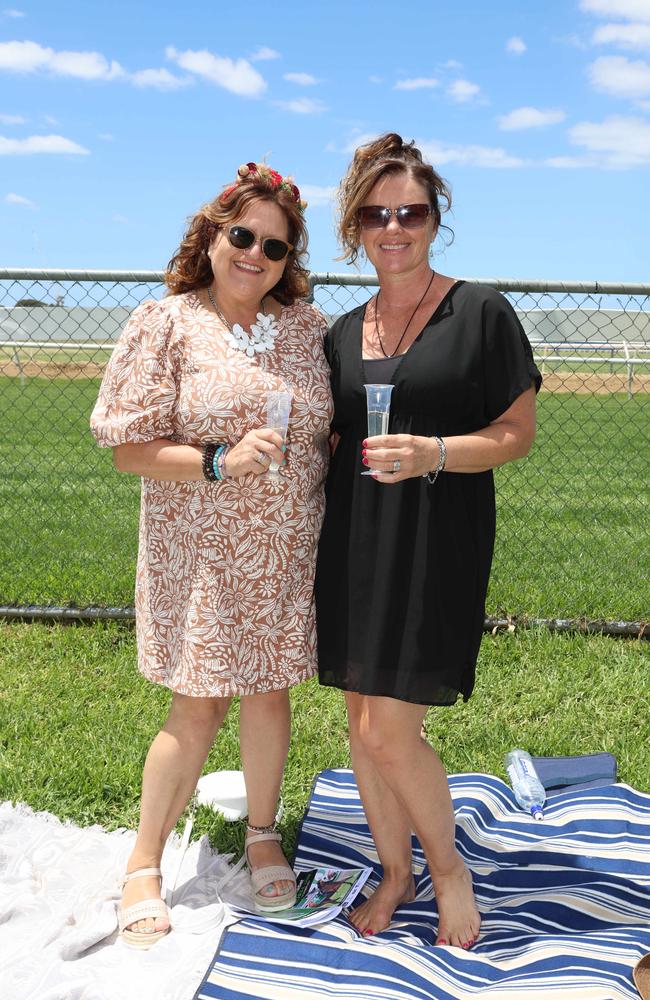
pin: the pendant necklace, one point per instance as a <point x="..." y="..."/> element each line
<point x="261" y="337"/>
<point x="433" y="274"/>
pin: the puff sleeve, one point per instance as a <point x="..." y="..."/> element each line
<point x="137" y="397"/>
<point x="508" y="363"/>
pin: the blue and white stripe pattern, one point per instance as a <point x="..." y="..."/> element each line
<point x="565" y="906"/>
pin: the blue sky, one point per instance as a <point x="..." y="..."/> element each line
<point x="119" y="120"/>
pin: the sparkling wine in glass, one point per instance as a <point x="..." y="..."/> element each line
<point x="278" y="408"/>
<point x="378" y="402"/>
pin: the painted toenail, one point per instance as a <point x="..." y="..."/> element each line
<point x="442" y="941"/>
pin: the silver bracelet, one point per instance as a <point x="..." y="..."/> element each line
<point x="442" y="461"/>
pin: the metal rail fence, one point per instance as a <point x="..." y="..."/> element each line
<point x="574" y="532"/>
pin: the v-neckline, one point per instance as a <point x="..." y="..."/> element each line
<point x="401" y="357"/>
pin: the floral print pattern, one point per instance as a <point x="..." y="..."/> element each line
<point x="224" y="585"/>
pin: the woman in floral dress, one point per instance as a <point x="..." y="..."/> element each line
<point x="227" y="553"/>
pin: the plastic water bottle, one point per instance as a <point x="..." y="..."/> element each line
<point x="528" y="789"/>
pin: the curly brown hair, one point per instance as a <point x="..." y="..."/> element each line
<point x="388" y="154"/>
<point x="190" y="267"/>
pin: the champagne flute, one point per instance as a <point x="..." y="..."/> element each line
<point x="278" y="408"/>
<point x="378" y="403"/>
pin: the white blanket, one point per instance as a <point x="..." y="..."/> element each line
<point x="59" y="886"/>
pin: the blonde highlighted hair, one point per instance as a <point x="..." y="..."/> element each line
<point x="388" y="154"/>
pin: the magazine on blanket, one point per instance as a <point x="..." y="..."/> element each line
<point x="321" y="894"/>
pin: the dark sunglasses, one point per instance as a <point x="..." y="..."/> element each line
<point x="242" y="238"/>
<point x="408" y="216"/>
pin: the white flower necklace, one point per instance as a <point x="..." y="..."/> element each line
<point x="260" y="339"/>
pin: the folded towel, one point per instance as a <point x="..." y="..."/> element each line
<point x="589" y="770"/>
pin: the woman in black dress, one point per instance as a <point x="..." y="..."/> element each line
<point x="405" y="554"/>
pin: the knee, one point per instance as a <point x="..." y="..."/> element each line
<point x="379" y="743"/>
<point x="199" y="718"/>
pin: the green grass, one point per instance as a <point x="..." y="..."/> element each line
<point x="573" y="525"/>
<point x="76" y="719"/>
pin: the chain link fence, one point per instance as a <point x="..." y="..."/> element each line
<point x="573" y="529"/>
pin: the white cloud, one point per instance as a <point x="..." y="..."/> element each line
<point x="12" y="12"/>
<point x="85" y="66"/>
<point x="12" y="120"/>
<point x="452" y="64"/>
<point x="643" y="105"/>
<point x="40" y="144"/>
<point x="28" y="57"/>
<point x="462" y="90"/>
<point x="106" y="136"/>
<point x="121" y="219"/>
<point x="620" y="76"/>
<point x="50" y="120"/>
<point x="474" y="156"/>
<point x="636" y="10"/>
<point x="376" y="79"/>
<point x="521" y="118"/>
<point x="302" y="106"/>
<point x="264" y="53"/>
<point x="516" y="45"/>
<point x="235" y="75"/>
<point x="618" y="142"/>
<point x="161" y="79"/>
<point x="302" y="79"/>
<point x="627" y="36"/>
<point x="316" y="195"/>
<point x="17" y="199"/>
<point x="417" y="83"/>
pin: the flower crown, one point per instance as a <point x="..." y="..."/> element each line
<point x="274" y="180"/>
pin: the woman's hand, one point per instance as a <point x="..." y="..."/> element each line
<point x="254" y="453"/>
<point x="416" y="456"/>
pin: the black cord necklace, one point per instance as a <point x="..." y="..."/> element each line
<point x="424" y="294"/>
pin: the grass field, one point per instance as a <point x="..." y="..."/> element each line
<point x="76" y="719"/>
<point x="573" y="532"/>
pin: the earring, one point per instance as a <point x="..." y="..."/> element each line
<point x="431" y="253"/>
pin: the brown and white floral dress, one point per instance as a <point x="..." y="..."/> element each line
<point x="224" y="586"/>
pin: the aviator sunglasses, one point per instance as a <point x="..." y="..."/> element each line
<point x="242" y="238"/>
<point x="408" y="216"/>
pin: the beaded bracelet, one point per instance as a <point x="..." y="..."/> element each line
<point x="221" y="462"/>
<point x="215" y="462"/>
<point x="208" y="459"/>
<point x="442" y="461"/>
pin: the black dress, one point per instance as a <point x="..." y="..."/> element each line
<point x="403" y="570"/>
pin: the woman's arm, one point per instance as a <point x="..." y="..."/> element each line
<point x="507" y="438"/>
<point x="171" y="462"/>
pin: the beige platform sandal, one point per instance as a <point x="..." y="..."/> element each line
<point x="128" y="915"/>
<point x="262" y="877"/>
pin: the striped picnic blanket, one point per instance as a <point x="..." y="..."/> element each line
<point x="565" y="906"/>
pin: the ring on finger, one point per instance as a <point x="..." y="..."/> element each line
<point x="397" y="465"/>
<point x="260" y="457"/>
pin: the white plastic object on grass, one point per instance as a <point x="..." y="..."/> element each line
<point x="225" y="792"/>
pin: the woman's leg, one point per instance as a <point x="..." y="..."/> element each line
<point x="390" y="733"/>
<point x="171" y="771"/>
<point x="264" y="732"/>
<point x="389" y="825"/>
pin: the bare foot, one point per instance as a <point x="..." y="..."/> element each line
<point x="376" y="913"/>
<point x="459" y="921"/>
<point x="137" y="890"/>
<point x="269" y="852"/>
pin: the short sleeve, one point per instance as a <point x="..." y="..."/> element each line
<point x="137" y="397"/>
<point x="508" y="362"/>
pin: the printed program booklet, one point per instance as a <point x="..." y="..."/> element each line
<point x="321" y="894"/>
